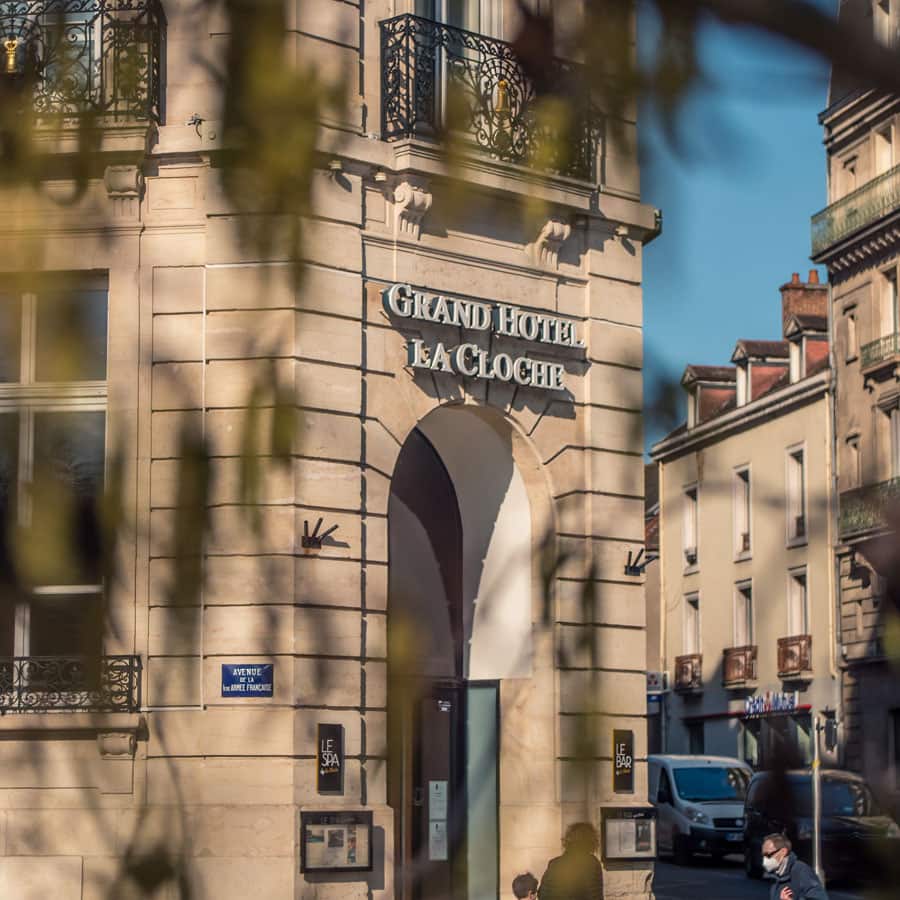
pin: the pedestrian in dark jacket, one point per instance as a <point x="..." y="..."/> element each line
<point x="794" y="879"/>
<point x="577" y="874"/>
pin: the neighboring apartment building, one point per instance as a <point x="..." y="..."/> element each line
<point x="468" y="390"/>
<point x="656" y="682"/>
<point x="747" y="621"/>
<point x="855" y="237"/>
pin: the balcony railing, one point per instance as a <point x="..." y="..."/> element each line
<point x="863" y="508"/>
<point x="795" y="656"/>
<point x="82" y="684"/>
<point x="860" y="208"/>
<point x="77" y="57"/>
<point x="879" y="351"/>
<point x="435" y="76"/>
<point x="689" y="672"/>
<point x="739" y="666"/>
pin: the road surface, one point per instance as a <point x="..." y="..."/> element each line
<point x="706" y="880"/>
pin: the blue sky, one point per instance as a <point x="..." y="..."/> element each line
<point x="736" y="202"/>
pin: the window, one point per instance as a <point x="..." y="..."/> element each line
<point x="884" y="150"/>
<point x="664" y="791"/>
<point x="743" y="615"/>
<point x="851" y="350"/>
<point x="854" y="462"/>
<point x="696" y="742"/>
<point x="741" y="373"/>
<point x="848" y="175"/>
<point x="889" y="323"/>
<point x="691" y="624"/>
<point x="797" y="365"/>
<point x="894" y="744"/>
<point x="742" y="512"/>
<point x="480" y="16"/>
<point x="52" y="437"/>
<point x="894" y="416"/>
<point x="691" y="555"/>
<point x="881" y="21"/>
<point x="798" y="606"/>
<point x="796" y="495"/>
<point x="693" y="404"/>
<point x="749" y="743"/>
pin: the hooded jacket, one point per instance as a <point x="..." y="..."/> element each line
<point x="800" y="878"/>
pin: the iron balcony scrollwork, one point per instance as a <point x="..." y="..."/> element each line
<point x="864" y="509"/>
<point x="78" y="684"/>
<point x="429" y="68"/>
<point x="85" y="57"/>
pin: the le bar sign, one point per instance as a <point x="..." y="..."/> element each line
<point x="623" y="762"/>
<point x="468" y="359"/>
<point x="247" y="681"/>
<point x="330" y="759"/>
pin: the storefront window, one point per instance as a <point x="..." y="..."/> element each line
<point x="749" y="743"/>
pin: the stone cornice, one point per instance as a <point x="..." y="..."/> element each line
<point x="864" y="249"/>
<point x="754" y="413"/>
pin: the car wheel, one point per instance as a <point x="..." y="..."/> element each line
<point x="751" y="864"/>
<point x="681" y="852"/>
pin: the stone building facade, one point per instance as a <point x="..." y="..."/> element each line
<point x="855" y="238"/>
<point x="466" y="387"/>
<point x="747" y="621"/>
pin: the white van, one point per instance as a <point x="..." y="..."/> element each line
<point x="700" y="804"/>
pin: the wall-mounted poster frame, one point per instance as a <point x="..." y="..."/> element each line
<point x="627" y="833"/>
<point x="336" y="841"/>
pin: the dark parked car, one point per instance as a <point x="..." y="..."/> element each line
<point x="854" y="831"/>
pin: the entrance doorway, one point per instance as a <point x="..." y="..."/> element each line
<point x="459" y="622"/>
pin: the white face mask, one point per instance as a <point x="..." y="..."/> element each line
<point x="770" y="864"/>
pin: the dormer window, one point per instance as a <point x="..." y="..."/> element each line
<point x="693" y="400"/>
<point x="797" y="360"/>
<point x="743" y="381"/>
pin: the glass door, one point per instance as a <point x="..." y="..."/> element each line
<point x="479" y="16"/>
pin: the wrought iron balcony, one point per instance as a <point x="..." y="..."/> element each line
<point x="739" y="666"/>
<point x="859" y="209"/>
<point x="689" y="673"/>
<point x="82" y="684"/>
<point x="428" y="68"/>
<point x="795" y="656"/>
<point x="863" y="508"/>
<point x="879" y="352"/>
<point x="75" y="57"/>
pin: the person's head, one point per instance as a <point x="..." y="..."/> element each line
<point x="525" y="886"/>
<point x="581" y="837"/>
<point x="775" y="847"/>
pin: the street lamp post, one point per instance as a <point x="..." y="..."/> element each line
<point x="817" y="800"/>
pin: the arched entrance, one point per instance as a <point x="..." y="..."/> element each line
<point x="460" y="619"/>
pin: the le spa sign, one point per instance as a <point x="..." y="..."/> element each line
<point x="468" y="359"/>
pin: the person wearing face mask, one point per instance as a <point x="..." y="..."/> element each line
<point x="794" y="879"/>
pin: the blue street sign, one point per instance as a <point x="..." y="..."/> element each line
<point x="242" y="680"/>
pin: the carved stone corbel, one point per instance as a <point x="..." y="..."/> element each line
<point x="116" y="744"/>
<point x="545" y="250"/>
<point x="412" y="200"/>
<point x="124" y="185"/>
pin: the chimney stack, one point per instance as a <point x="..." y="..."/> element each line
<point x="799" y="298"/>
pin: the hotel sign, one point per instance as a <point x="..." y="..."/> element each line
<point x="500" y="319"/>
<point x="769" y="703"/>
